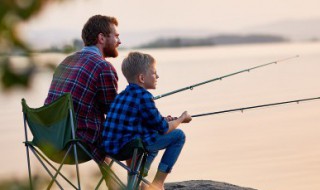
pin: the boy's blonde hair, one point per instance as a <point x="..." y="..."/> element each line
<point x="136" y="63"/>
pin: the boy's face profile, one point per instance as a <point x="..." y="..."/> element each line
<point x="150" y="77"/>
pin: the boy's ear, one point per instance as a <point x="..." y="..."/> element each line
<point x="141" y="78"/>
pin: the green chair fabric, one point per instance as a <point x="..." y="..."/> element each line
<point x="51" y="129"/>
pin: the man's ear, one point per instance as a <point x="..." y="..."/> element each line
<point x="101" y="38"/>
<point x="141" y="78"/>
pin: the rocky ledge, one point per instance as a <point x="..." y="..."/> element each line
<point x="203" y="185"/>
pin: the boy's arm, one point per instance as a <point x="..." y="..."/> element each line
<point x="170" y="118"/>
<point x="151" y="116"/>
<point x="184" y="118"/>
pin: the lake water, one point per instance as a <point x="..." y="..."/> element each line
<point x="272" y="148"/>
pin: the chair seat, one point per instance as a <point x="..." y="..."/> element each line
<point x="57" y="156"/>
<point x="126" y="151"/>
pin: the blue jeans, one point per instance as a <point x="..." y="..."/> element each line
<point x="172" y="143"/>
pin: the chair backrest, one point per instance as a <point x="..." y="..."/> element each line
<point x="51" y="126"/>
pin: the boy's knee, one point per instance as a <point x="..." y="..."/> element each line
<point x="180" y="135"/>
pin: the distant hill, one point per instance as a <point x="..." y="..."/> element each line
<point x="212" y="40"/>
<point x="293" y="30"/>
<point x="138" y="38"/>
<point x="296" y="30"/>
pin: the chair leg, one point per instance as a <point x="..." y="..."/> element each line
<point x="45" y="167"/>
<point x="55" y="169"/>
<point x="133" y="182"/>
<point x="102" y="178"/>
<point x="74" y="145"/>
<point x="58" y="171"/>
<point x="99" y="183"/>
<point x="132" y="170"/>
<point x="29" y="167"/>
<point x="77" y="165"/>
<point x="108" y="172"/>
<point x="27" y="150"/>
<point x="140" y="168"/>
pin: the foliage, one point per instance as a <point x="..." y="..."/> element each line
<point x="23" y="184"/>
<point x="12" y="13"/>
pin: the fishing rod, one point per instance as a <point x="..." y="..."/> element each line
<point x="255" y="107"/>
<point x="222" y="77"/>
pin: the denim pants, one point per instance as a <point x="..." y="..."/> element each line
<point x="172" y="143"/>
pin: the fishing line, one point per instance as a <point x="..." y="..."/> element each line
<point x="222" y="77"/>
<point x="257" y="106"/>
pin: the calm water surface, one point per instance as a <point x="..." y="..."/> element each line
<point x="269" y="149"/>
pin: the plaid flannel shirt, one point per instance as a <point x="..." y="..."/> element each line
<point x="93" y="84"/>
<point x="132" y="115"/>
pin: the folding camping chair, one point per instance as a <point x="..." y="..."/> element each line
<point x="53" y="129"/>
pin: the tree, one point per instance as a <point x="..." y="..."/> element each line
<point x="13" y="12"/>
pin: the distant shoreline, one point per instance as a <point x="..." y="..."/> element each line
<point x="168" y="43"/>
<point x="213" y="41"/>
<point x="183" y="41"/>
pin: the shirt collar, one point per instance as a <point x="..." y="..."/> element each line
<point x="136" y="87"/>
<point x="133" y="85"/>
<point x="93" y="49"/>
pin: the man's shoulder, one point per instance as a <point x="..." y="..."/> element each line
<point x="93" y="60"/>
<point x="86" y="63"/>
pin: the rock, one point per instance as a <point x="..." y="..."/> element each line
<point x="203" y="185"/>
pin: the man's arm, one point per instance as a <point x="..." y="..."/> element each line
<point x="107" y="88"/>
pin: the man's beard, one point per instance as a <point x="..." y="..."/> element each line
<point x="109" y="51"/>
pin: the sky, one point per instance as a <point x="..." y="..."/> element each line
<point x="61" y="21"/>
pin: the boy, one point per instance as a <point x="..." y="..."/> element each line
<point x="133" y="114"/>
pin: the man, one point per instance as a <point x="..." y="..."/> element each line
<point x="91" y="80"/>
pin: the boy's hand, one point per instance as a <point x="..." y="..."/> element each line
<point x="170" y="118"/>
<point x="186" y="117"/>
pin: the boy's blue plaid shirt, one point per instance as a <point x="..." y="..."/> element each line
<point x="132" y="114"/>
